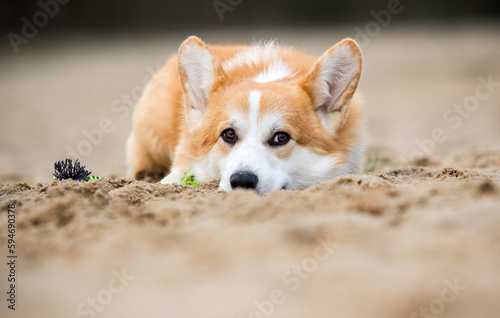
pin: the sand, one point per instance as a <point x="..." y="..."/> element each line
<point x="416" y="235"/>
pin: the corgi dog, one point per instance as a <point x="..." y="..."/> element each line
<point x="261" y="117"/>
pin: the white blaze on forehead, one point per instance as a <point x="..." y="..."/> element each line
<point x="274" y="72"/>
<point x="253" y="111"/>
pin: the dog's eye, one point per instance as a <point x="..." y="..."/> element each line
<point x="279" y="139"/>
<point x="229" y="136"/>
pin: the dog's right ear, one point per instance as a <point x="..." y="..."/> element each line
<point x="200" y="70"/>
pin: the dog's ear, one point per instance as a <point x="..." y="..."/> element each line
<point x="199" y="70"/>
<point x="332" y="81"/>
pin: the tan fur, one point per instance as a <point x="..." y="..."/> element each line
<point x="158" y="120"/>
<point x="161" y="136"/>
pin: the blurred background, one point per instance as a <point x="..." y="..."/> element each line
<point x="72" y="70"/>
<point x="127" y="15"/>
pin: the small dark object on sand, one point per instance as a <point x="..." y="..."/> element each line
<point x="66" y="170"/>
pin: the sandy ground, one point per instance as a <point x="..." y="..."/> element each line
<point x="416" y="236"/>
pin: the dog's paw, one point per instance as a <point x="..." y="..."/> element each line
<point x="174" y="177"/>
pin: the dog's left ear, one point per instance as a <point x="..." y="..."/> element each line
<point x="200" y="70"/>
<point x="332" y="81"/>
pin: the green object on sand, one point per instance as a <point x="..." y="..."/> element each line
<point x="189" y="179"/>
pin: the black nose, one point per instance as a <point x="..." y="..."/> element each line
<point x="244" y="179"/>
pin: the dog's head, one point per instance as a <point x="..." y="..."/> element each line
<point x="269" y="120"/>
